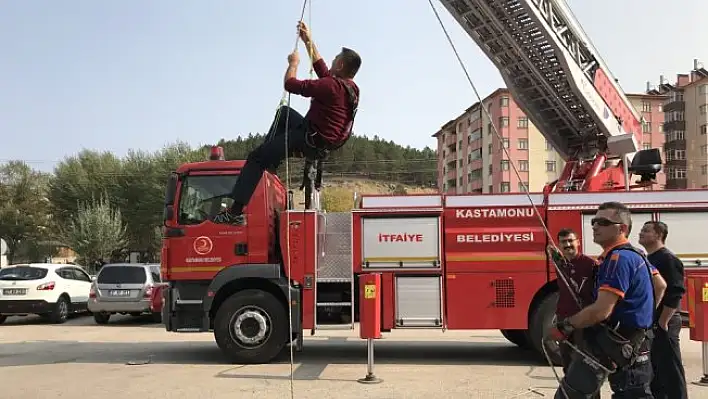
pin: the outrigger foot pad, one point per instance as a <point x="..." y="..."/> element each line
<point x="370" y="379"/>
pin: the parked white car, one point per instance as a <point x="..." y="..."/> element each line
<point x="53" y="291"/>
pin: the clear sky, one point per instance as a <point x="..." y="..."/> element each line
<point x="115" y="75"/>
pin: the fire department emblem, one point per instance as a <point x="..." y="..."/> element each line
<point x="203" y="245"/>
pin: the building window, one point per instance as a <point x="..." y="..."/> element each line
<point x="523" y="144"/>
<point x="506" y="142"/>
<point x="505" y="187"/>
<point x="661" y="107"/>
<point x="704" y="169"/>
<point x="522" y="122"/>
<point x="550" y="166"/>
<point x="704" y="128"/>
<point x="490" y="169"/>
<point x="504" y="164"/>
<point x="703" y="89"/>
<point x="489" y="149"/>
<point x="474" y="154"/>
<point x="703" y="109"/>
<point x="504" y="101"/>
<point x="646" y="146"/>
<point x="491" y="189"/>
<point x="549" y="146"/>
<point x="646" y="127"/>
<point x="661" y="128"/>
<point x="504" y="121"/>
<point x="523" y="186"/>
<point x="704" y="149"/>
<point x="646" y="106"/>
<point x="676" y="173"/>
<point x="523" y="165"/>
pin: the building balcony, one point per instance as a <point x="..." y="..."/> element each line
<point x="674" y="125"/>
<point x="675" y="145"/>
<point x="674" y="106"/>
<point x="676" y="184"/>
<point x="678" y="163"/>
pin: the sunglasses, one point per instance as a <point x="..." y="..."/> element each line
<point x="603" y="222"/>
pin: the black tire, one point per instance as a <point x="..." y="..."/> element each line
<point x="259" y="306"/>
<point x="60" y="313"/>
<point x="542" y="318"/>
<point x="2" y="318"/>
<point x="101" y="318"/>
<point x="519" y="338"/>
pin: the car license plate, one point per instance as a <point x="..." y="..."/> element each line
<point x="14" y="291"/>
<point x="119" y="292"/>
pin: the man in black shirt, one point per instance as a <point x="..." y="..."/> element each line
<point x="669" y="380"/>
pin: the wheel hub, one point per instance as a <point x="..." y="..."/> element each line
<point x="251" y="327"/>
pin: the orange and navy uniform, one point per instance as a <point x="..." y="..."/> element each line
<point x="624" y="273"/>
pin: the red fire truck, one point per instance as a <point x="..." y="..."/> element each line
<point x="446" y="261"/>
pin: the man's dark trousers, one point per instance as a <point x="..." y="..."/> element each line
<point x="568" y="353"/>
<point x="584" y="379"/>
<point x="669" y="376"/>
<point x="271" y="153"/>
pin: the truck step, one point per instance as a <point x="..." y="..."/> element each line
<point x="189" y="302"/>
<point x="335" y="327"/>
<point x="344" y="304"/>
<point x="188" y="330"/>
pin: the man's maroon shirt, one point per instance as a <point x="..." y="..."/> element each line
<point x="582" y="270"/>
<point x="329" y="108"/>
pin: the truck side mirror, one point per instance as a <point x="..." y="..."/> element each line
<point x="169" y="212"/>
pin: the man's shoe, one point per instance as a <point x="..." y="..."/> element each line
<point x="228" y="217"/>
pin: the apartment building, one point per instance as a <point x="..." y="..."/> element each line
<point x="473" y="159"/>
<point x="686" y="122"/>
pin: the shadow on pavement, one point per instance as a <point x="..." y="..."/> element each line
<point x="316" y="356"/>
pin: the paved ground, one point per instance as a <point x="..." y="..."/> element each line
<point x="80" y="359"/>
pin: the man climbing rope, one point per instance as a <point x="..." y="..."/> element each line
<point x="326" y="126"/>
<point x="618" y="324"/>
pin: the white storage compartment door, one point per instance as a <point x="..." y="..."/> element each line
<point x="687" y="236"/>
<point x="592" y="249"/>
<point x="418" y="301"/>
<point x="409" y="242"/>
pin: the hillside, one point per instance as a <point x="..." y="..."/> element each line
<point x="338" y="193"/>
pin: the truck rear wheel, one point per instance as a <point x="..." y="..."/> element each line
<point x="517" y="337"/>
<point x="251" y="327"/>
<point x="542" y="318"/>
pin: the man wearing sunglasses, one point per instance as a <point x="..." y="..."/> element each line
<point x="627" y="290"/>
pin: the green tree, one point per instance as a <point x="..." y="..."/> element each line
<point x="96" y="233"/>
<point x="24" y="216"/>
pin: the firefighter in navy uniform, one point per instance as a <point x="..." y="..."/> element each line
<point x="618" y="324"/>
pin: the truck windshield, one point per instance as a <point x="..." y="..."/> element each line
<point x="202" y="197"/>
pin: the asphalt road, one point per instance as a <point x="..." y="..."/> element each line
<point x="131" y="357"/>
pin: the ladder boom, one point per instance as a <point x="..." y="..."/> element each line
<point x="554" y="73"/>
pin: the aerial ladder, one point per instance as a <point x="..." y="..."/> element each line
<point x="558" y="79"/>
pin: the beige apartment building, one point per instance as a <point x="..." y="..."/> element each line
<point x="472" y="158"/>
<point x="686" y="122"/>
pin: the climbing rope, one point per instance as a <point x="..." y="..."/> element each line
<point x="559" y="272"/>
<point x="286" y="101"/>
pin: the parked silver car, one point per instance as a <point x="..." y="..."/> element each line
<point x="126" y="288"/>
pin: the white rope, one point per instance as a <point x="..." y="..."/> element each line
<point x="287" y="228"/>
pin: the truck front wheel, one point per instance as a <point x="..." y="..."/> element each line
<point x="251" y="327"/>
<point x="541" y="320"/>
